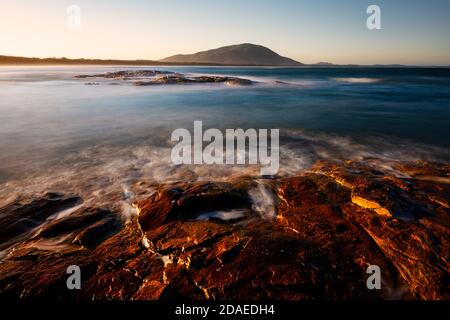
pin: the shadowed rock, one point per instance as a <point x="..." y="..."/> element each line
<point x="189" y="202"/>
<point x="20" y="217"/>
<point x="75" y="221"/>
<point x="94" y="234"/>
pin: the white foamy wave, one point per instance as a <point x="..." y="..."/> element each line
<point x="263" y="201"/>
<point x="222" y="215"/>
<point x="127" y="193"/>
<point x="112" y="177"/>
<point x="128" y="212"/>
<point x="65" y="213"/>
<point x="358" y="80"/>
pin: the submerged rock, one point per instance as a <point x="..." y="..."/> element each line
<point x="76" y="221"/>
<point x="19" y="218"/>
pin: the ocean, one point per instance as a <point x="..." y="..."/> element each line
<point x="57" y="133"/>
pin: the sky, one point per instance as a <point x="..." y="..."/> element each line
<point x="412" y="31"/>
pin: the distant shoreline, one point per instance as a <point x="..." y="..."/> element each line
<point x="25" y="61"/>
<point x="156" y="64"/>
<point x="12" y="60"/>
<point x="306" y="66"/>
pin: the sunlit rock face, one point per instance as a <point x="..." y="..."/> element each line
<point x="307" y="236"/>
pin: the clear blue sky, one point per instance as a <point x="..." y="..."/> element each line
<point x="413" y="31"/>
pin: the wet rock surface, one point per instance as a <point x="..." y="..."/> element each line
<point x="19" y="218"/>
<point x="211" y="241"/>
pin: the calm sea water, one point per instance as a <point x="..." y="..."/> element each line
<point x="52" y="123"/>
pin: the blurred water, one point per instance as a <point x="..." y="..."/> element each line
<point x="51" y="122"/>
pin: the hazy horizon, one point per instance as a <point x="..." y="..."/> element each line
<point x="413" y="32"/>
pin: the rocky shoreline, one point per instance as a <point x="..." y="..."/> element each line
<point x="308" y="236"/>
<point x="156" y="77"/>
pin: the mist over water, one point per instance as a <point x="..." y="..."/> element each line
<point x="56" y="133"/>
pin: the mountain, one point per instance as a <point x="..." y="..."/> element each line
<point x="241" y="54"/>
